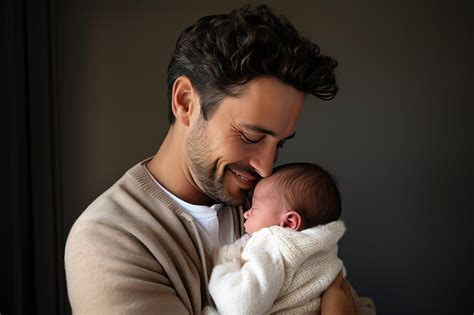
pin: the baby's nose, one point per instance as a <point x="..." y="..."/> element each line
<point x="246" y="214"/>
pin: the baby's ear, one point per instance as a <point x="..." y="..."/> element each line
<point x="291" y="219"/>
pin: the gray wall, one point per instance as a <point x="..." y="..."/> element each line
<point x="398" y="136"/>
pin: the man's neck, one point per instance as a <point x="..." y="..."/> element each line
<point x="169" y="168"/>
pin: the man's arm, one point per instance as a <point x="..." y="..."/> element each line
<point x="109" y="272"/>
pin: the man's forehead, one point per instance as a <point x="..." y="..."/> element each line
<point x="268" y="106"/>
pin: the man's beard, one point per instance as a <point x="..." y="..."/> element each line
<point x="204" y="170"/>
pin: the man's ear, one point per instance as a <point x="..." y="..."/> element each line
<point x="183" y="100"/>
<point x="291" y="219"/>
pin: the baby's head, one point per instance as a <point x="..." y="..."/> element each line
<point x="297" y="196"/>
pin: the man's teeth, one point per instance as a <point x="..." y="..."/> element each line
<point x="240" y="176"/>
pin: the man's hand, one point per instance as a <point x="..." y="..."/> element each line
<point x="338" y="299"/>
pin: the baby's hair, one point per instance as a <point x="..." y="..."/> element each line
<point x="310" y="190"/>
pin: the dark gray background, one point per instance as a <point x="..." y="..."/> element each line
<point x="398" y="136"/>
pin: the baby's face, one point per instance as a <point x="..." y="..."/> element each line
<point x="266" y="210"/>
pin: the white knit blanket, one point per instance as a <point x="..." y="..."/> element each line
<point x="277" y="270"/>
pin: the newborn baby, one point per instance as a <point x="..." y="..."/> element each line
<point x="289" y="255"/>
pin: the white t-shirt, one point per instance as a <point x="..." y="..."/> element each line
<point x="215" y="223"/>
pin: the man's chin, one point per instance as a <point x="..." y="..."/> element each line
<point x="234" y="202"/>
<point x="236" y="199"/>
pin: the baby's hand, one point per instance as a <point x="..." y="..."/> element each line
<point x="209" y="310"/>
<point x="229" y="252"/>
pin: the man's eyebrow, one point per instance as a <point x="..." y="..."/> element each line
<point x="266" y="131"/>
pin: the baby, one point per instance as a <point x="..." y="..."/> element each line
<point x="289" y="255"/>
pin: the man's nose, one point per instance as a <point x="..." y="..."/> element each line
<point x="262" y="160"/>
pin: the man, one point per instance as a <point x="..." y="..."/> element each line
<point x="236" y="86"/>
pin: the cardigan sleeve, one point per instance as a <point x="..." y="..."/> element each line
<point x="108" y="272"/>
<point x="249" y="285"/>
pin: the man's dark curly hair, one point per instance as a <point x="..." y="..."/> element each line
<point x="221" y="53"/>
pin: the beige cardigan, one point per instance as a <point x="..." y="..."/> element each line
<point x="135" y="251"/>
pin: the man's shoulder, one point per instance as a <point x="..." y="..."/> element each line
<point x="133" y="204"/>
<point x="135" y="193"/>
<point x="130" y="237"/>
<point x="117" y="199"/>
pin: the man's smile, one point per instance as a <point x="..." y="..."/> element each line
<point x="245" y="179"/>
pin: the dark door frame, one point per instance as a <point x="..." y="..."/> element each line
<point x="32" y="230"/>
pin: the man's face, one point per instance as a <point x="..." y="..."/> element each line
<point x="240" y="142"/>
<point x="266" y="210"/>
